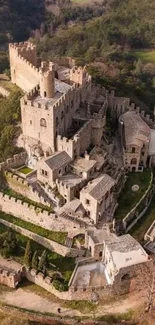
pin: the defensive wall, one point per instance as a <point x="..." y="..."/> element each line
<point x="47" y="243"/>
<point x="35" y="215"/>
<point x="119" y="105"/>
<point x="10" y="278"/>
<point x="24" y="73"/>
<point x="20" y="185"/>
<point x="14" y="162"/>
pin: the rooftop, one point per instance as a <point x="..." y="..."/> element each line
<point x="126" y="251"/>
<point x="83" y="164"/>
<point x="58" y="160"/>
<point x="136" y="130"/>
<point x="98" y="187"/>
<point x="100" y="235"/>
<point x="61" y="88"/>
<point x="70" y="179"/>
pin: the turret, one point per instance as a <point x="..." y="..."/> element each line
<point x="47" y="73"/>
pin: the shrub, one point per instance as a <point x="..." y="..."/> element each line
<point x="60" y="285"/>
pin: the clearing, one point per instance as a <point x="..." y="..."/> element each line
<point x="128" y="198"/>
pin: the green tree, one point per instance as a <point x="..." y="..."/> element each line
<point x="42" y="265"/>
<point x="9" y="244"/>
<point x="35" y="260"/>
<point x="28" y="254"/>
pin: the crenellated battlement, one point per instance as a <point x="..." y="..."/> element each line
<point x="15" y="161"/>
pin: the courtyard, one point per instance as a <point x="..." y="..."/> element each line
<point x="129" y="198"/>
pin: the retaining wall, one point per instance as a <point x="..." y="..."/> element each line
<point x="4" y="92"/>
<point x="47" y="243"/>
<point x="14" y="162"/>
<point x="37" y="216"/>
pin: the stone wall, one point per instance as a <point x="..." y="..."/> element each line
<point x="14" y="162"/>
<point x="47" y="243"/>
<point x="20" y="185"/>
<point x="4" y="92"/>
<point x="10" y="278"/>
<point x="22" y="63"/>
<point x="35" y="215"/>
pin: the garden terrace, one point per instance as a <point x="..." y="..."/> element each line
<point x="129" y="198"/>
<point x="59" y="237"/>
<point x="139" y="230"/>
<point x="56" y="262"/>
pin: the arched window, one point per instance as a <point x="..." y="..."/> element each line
<point x="133" y="161"/>
<point x="62" y="115"/>
<point x="43" y="122"/>
<point x="57" y="121"/>
<point x="125" y="277"/>
<point x="133" y="150"/>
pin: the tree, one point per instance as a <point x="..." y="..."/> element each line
<point x="35" y="260"/>
<point x="43" y="262"/>
<point x="28" y="254"/>
<point x="9" y="244"/>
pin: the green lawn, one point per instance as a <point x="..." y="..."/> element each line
<point x="59" y="237"/>
<point x="25" y="170"/>
<point x="146" y="56"/>
<point x="128" y="199"/>
<point x="141" y="227"/>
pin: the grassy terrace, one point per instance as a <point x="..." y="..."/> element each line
<point x="58" y="237"/>
<point x="56" y="262"/>
<point x="19" y="196"/>
<point x="25" y="170"/>
<point x="141" y="227"/>
<point x="128" y="199"/>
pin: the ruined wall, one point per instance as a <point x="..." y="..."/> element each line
<point x="14" y="162"/>
<point x="72" y="147"/>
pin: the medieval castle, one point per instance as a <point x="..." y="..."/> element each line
<point x="77" y="171"/>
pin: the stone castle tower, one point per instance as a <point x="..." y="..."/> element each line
<point x="47" y="73"/>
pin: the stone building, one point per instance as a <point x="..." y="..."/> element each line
<point x="51" y="168"/>
<point x="97" y="196"/>
<point x="118" y="265"/>
<point x="11" y="272"/>
<point x="53" y="104"/>
<point x="135" y="135"/>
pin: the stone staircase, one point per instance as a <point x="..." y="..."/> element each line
<point x="38" y="188"/>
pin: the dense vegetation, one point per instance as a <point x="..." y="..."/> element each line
<point x="112" y="42"/>
<point x="9" y="118"/>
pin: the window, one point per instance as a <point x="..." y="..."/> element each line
<point x="43" y="122"/>
<point x="60" y="171"/>
<point x="100" y="255"/>
<point x="62" y="115"/>
<point x="133" y="161"/>
<point x="46" y="173"/>
<point x="44" y="93"/>
<point x="133" y="150"/>
<point x="87" y="201"/>
<point x="67" y="109"/>
<point x="30" y="121"/>
<point x="57" y="121"/>
<point x="42" y="171"/>
<point x="143" y="153"/>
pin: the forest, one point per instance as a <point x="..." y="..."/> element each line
<point x="114" y="38"/>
